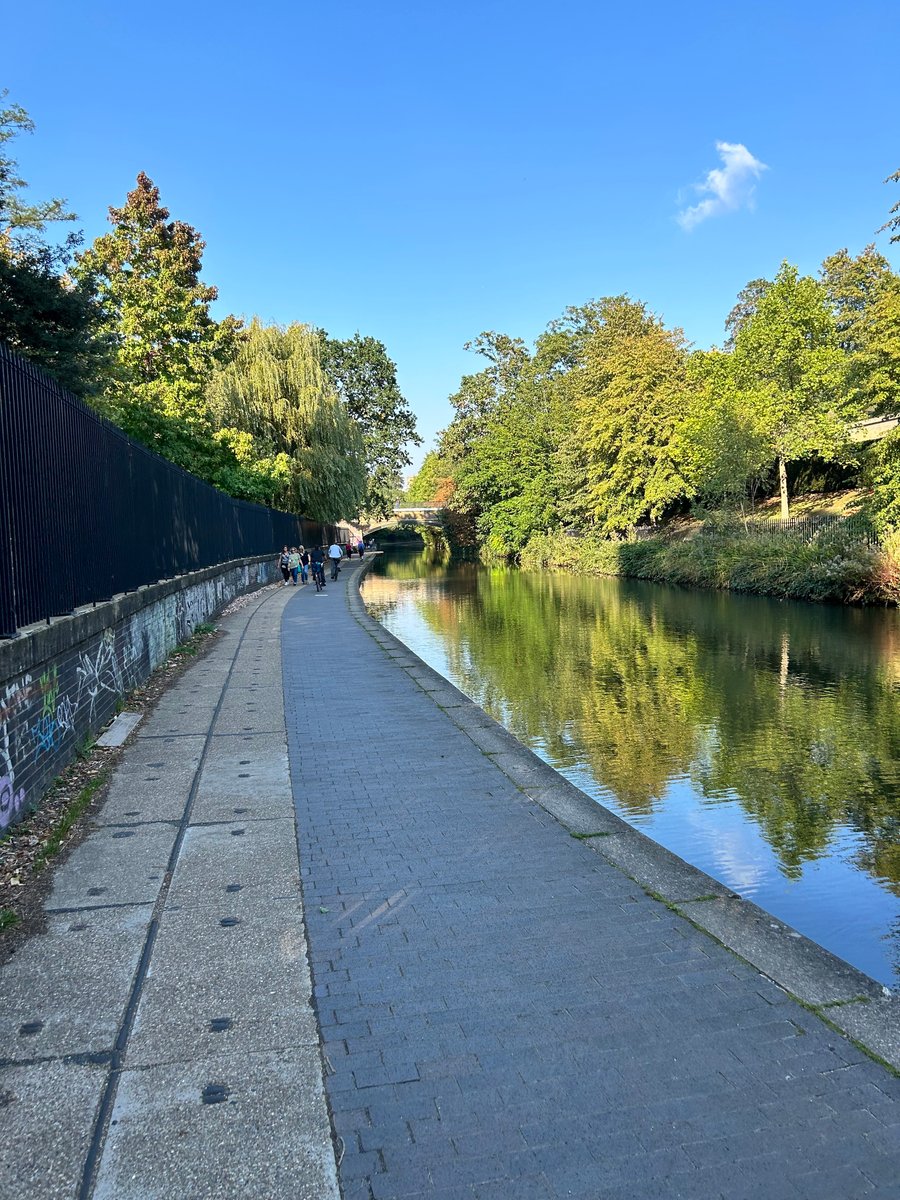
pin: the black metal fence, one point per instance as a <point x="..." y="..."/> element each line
<point x="856" y="527"/>
<point x="86" y="513"/>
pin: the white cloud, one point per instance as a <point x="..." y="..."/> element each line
<point x="726" y="188"/>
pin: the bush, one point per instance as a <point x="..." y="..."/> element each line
<point x="834" y="566"/>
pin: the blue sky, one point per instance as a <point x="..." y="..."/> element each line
<point x="423" y="172"/>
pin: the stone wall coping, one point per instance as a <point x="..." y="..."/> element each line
<point x="35" y="644"/>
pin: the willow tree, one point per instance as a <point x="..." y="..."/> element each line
<point x="274" y="392"/>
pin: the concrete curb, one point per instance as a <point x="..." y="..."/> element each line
<point x="857" y="1006"/>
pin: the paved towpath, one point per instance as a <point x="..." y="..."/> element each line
<point x="505" y="1013"/>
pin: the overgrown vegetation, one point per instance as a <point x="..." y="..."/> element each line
<point x="834" y="565"/>
<point x="70" y="815"/>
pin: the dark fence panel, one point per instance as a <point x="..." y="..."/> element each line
<point x="856" y="527"/>
<point x="86" y="513"/>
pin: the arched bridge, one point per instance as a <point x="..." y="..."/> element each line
<point x="422" y="514"/>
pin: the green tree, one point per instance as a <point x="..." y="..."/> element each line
<point x="792" y="371"/>
<point x="44" y="315"/>
<point x="155" y="309"/>
<point x="366" y="380"/>
<point x="432" y="483"/>
<point x="501" y="446"/>
<point x="631" y="395"/>
<point x="304" y="444"/>
<point x="723" y="450"/>
<point x="853" y="287"/>
<point x="744" y="308"/>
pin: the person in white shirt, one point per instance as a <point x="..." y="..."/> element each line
<point x="335" y="553"/>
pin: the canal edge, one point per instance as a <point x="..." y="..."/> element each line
<point x="849" y="1002"/>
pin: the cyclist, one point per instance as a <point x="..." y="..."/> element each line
<point x="318" y="567"/>
<point x="335" y="554"/>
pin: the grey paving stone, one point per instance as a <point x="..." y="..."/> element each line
<point x="42" y="1154"/>
<point x="215" y="805"/>
<point x="117" y="733"/>
<point x="133" y="800"/>
<point x="180" y="718"/>
<point x="267" y="1138"/>
<point x="114" y="866"/>
<point x="245" y="711"/>
<point x="65" y="990"/>
<point x="152" y="748"/>
<point x="230" y="988"/>
<point x="258" y="857"/>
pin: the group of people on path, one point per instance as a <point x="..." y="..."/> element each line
<point x="297" y="562"/>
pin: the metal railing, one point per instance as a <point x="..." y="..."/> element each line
<point x="856" y="527"/>
<point x="87" y="513"/>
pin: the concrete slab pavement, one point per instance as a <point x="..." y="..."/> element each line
<point x="160" y="1040"/>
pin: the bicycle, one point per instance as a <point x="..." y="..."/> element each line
<point x="318" y="574"/>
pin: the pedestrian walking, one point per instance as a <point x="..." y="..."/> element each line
<point x="304" y="564"/>
<point x="294" y="565"/>
<point x="360" y="547"/>
<point x="349" y="549"/>
<point x="284" y="562"/>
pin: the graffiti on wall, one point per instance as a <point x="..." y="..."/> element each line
<point x="44" y="715"/>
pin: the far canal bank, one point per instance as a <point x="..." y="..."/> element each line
<point x="757" y="740"/>
<point x="833" y="560"/>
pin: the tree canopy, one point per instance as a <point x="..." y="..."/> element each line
<point x="365" y="378"/>
<point x="274" y="406"/>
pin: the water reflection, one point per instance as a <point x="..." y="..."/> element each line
<point x="757" y="739"/>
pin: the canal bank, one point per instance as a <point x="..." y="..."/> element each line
<point x="840" y="564"/>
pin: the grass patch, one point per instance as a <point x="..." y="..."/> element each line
<point x="842" y="1003"/>
<point x="192" y="646"/>
<point x="70" y="815"/>
<point x="584" y="836"/>
<point x="7" y="919"/>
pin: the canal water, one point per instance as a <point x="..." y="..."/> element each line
<point x="757" y="739"/>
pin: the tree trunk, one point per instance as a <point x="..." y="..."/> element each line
<point x="782" y="484"/>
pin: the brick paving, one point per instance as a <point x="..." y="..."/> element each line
<point x="506" y="1015"/>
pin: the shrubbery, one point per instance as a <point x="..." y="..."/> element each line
<point x="832" y="566"/>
